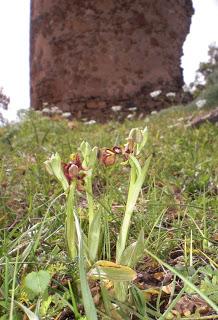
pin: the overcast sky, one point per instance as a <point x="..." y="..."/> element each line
<point x="14" y="50"/>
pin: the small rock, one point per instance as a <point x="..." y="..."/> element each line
<point x="155" y="94"/>
<point x="56" y="110"/>
<point x="130" y="116"/>
<point x="132" y="109"/>
<point x="171" y="95"/>
<point x="116" y="108"/>
<point x="46" y="111"/>
<point x="90" y="122"/>
<point x="153" y="112"/>
<point x="67" y="115"/>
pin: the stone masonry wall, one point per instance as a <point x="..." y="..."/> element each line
<point x="88" y="55"/>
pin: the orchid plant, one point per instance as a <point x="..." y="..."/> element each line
<point x="76" y="177"/>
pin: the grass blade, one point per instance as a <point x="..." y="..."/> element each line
<point x="13" y="287"/>
<point x="28" y="312"/>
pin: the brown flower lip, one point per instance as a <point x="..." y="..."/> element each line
<point x="74" y="170"/>
<point x="108" y="156"/>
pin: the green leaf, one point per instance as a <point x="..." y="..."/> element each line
<point x="121" y="290"/>
<point x="142" y="143"/>
<point x="139" y="137"/>
<point x="70" y="229"/>
<point x="54" y="167"/>
<point x="86" y="293"/>
<point x="134" y="252"/>
<point x="94" y="236"/>
<point x="108" y="270"/>
<point x="28" y="312"/>
<point x="89" y="155"/>
<point x="106" y="300"/>
<point x="134" y="190"/>
<point x="139" y="300"/>
<point x="135" y="164"/>
<point x="37" y="282"/>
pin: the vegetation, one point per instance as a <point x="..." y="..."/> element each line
<point x="162" y="265"/>
<point x="206" y="81"/>
<point x="4" y="101"/>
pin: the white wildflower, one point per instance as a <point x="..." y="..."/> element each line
<point x="155" y="94"/>
<point x="201" y="103"/>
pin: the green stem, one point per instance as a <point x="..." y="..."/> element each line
<point x="70" y="223"/>
<point x="131" y="201"/>
<point x="75" y="309"/>
<point x="124" y="230"/>
<point x="137" y="178"/>
<point x="89" y="195"/>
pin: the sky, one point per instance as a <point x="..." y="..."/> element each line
<point x="14" y="49"/>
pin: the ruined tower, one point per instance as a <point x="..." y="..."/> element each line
<point x="88" y="55"/>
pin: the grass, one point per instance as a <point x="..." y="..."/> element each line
<point x="177" y="211"/>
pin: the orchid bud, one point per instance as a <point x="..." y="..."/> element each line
<point x="89" y="155"/>
<point x="54" y="167"/>
<point x="136" y="135"/>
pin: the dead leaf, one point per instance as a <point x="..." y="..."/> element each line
<point x="148" y="293"/>
<point x="168" y="289"/>
<point x="159" y="276"/>
<point x="215" y="236"/>
<point x="188" y="305"/>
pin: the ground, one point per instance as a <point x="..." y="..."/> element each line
<point x="177" y="210"/>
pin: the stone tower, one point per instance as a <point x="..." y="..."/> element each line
<point x="88" y="55"/>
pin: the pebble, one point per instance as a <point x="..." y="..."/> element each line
<point x="116" y="108"/>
